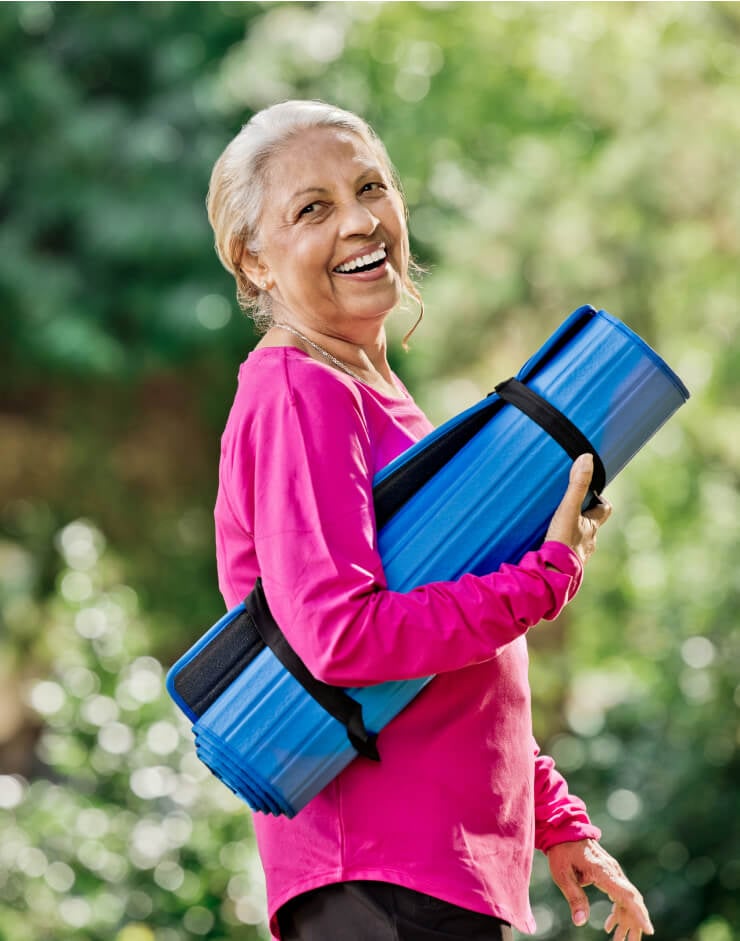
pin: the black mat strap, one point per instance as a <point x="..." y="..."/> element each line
<point x="214" y="668"/>
<point x="557" y="425"/>
<point x="400" y="485"/>
<point x="334" y="700"/>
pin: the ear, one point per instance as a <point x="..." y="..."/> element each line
<point x="256" y="270"/>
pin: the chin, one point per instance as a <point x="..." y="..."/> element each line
<point x="374" y="312"/>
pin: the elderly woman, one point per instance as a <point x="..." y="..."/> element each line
<point x="435" y="841"/>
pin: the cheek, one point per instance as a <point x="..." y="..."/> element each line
<point x="300" y="262"/>
<point x="404" y="251"/>
<point x="397" y="224"/>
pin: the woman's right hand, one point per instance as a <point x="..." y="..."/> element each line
<point x="569" y="525"/>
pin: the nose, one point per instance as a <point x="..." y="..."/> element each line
<point x="357" y="219"/>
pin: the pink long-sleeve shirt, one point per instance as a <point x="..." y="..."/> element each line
<point x="461" y="796"/>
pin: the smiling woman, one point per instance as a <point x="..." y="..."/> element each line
<point x="244" y="175"/>
<point x="333" y="247"/>
<point x="310" y="219"/>
<point x="436" y="840"/>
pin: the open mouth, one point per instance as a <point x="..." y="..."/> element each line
<point x="363" y="263"/>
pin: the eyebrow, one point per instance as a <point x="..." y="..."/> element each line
<point x="307" y="190"/>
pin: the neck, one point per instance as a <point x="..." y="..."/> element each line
<point x="363" y="349"/>
<point x="365" y="362"/>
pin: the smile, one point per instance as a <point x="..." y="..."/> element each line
<point x="363" y="262"/>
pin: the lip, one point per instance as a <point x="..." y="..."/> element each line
<point x="365" y="250"/>
<point x="374" y="274"/>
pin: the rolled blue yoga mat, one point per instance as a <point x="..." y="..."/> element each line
<point x="489" y="502"/>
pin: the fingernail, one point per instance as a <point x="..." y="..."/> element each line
<point x="579" y="918"/>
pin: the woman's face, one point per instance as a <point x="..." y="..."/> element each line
<point x="333" y="238"/>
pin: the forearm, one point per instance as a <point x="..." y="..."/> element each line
<point x="350" y="631"/>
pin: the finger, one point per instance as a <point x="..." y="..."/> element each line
<point x="636" y="915"/>
<point x="573" y="894"/>
<point x="582" y="470"/>
<point x="600" y="511"/>
<point x="578" y="902"/>
<point x="579" y="481"/>
<point x="628" y="903"/>
<point x="639" y="923"/>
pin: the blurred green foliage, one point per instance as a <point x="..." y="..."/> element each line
<point x="552" y="155"/>
<point x="121" y="832"/>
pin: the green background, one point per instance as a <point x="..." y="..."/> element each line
<point x="552" y="154"/>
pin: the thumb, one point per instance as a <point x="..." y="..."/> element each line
<point x="578" y="902"/>
<point x="579" y="481"/>
<point x="574" y="896"/>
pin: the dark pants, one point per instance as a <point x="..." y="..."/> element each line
<point x="380" y="911"/>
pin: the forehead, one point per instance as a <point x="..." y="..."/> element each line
<point x="315" y="156"/>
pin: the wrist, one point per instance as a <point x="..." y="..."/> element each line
<point x="560" y="557"/>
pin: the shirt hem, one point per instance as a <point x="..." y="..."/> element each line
<point x="525" y="925"/>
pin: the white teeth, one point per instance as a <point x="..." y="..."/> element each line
<point x="361" y="262"/>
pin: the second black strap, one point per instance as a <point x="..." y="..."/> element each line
<point x="570" y="438"/>
<point x="334" y="700"/>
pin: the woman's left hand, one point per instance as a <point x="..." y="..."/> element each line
<point x="584" y="862"/>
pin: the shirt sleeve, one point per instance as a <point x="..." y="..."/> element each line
<point x="308" y="458"/>
<point x="559" y="816"/>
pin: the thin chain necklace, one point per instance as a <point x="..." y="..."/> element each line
<point x="320" y="349"/>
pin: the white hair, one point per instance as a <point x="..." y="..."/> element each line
<point x="240" y="177"/>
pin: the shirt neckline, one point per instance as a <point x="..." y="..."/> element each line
<point x="404" y="396"/>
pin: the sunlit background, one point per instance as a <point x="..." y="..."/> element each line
<point x="552" y="154"/>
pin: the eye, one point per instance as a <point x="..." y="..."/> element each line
<point x="373" y="186"/>
<point x="307" y="210"/>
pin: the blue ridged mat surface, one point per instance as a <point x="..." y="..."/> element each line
<point x="259" y="731"/>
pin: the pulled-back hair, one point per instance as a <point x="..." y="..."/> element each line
<point x="239" y="181"/>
